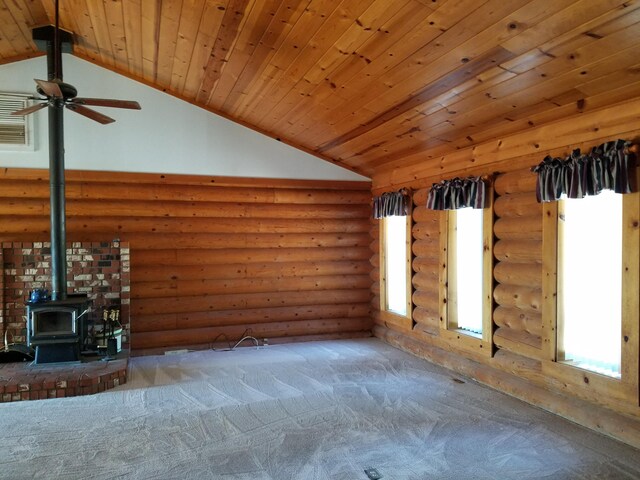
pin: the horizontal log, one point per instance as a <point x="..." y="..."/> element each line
<point x="163" y="179"/>
<point x="354" y="245"/>
<point x="191" y="288"/>
<point x="426" y="265"/>
<point x="146" y="272"/>
<point x="374" y="275"/>
<point x="202" y="303"/>
<point x="186" y="193"/>
<point x="426" y="230"/>
<point x="423" y="214"/>
<point x="518" y="181"/>
<point x="230" y="226"/>
<point x="402" y="323"/>
<point x="518" y="251"/>
<point x="162" y="209"/>
<point x="429" y="320"/>
<point x="207" y="256"/>
<point x="272" y="341"/>
<point x="269" y="330"/>
<point x="374" y="304"/>
<point x="345" y="241"/>
<point x="374" y="260"/>
<point x="524" y="274"/>
<point x="519" y="228"/>
<point x="525" y="298"/>
<point x="427" y="299"/>
<point x="423" y="281"/>
<point x="429" y="248"/>
<point x="518" y="205"/>
<point x="520" y="343"/>
<point x="515" y="319"/>
<point x="169" y="321"/>
<point x="420" y="196"/>
<point x="426" y="329"/>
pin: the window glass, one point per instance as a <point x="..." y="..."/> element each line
<point x="590" y="282"/>
<point x="466" y="262"/>
<point x="395" y="255"/>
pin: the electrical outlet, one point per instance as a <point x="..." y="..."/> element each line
<point x="372" y="473"/>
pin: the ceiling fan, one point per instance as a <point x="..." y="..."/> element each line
<point x="58" y="93"/>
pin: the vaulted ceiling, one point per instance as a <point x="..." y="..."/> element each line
<point x="365" y="83"/>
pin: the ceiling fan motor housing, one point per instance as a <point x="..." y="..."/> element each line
<point x="68" y="91"/>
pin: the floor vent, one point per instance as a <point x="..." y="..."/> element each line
<point x="372" y="473"/>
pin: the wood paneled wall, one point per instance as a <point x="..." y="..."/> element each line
<point x="520" y="364"/>
<point x="215" y="256"/>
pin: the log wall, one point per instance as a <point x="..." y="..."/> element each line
<point x="212" y="257"/>
<point x="520" y="363"/>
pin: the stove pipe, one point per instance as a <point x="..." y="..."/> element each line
<point x="56" y="181"/>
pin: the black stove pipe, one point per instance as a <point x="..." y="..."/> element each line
<point x="57" y="184"/>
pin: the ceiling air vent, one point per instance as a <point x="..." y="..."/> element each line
<point x="16" y="131"/>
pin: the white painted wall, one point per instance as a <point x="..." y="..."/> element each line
<point x="167" y="136"/>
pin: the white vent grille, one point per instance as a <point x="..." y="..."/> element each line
<point x="15" y="130"/>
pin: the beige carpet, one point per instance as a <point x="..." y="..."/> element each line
<point x="325" y="410"/>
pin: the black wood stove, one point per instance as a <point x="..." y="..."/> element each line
<point x="56" y="329"/>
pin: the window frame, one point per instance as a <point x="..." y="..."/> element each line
<point x="587" y="383"/>
<point x="403" y="321"/>
<point x="463" y="339"/>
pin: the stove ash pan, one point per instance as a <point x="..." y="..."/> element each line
<point x="55" y="330"/>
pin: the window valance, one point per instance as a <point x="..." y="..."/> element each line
<point x="458" y="193"/>
<point x="391" y="204"/>
<point x="609" y="166"/>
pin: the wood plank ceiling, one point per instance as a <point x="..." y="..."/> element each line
<point x="368" y="84"/>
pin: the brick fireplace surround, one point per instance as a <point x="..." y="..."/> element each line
<point x="102" y="271"/>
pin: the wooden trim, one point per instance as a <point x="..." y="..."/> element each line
<point x="630" y="298"/>
<point x="443" y="279"/>
<point x="451" y="320"/>
<point x="488" y="282"/>
<point x="549" y="279"/>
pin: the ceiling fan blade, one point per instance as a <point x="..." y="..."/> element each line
<point x="92" y="114"/>
<point x="31" y="109"/>
<point x="107" y="102"/>
<point x="51" y="89"/>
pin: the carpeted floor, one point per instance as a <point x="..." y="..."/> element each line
<point x="311" y="411"/>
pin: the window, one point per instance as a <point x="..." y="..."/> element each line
<point x="395" y="265"/>
<point x="15" y="130"/>
<point x="589" y="309"/>
<point x="465" y="261"/>
<point x="466" y="281"/>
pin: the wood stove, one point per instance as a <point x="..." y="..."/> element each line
<point x="55" y="329"/>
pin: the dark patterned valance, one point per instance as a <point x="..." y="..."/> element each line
<point x="391" y="204"/>
<point x="609" y="166"/>
<point x="458" y="193"/>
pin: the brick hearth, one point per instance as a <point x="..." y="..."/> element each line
<point x="24" y="381"/>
